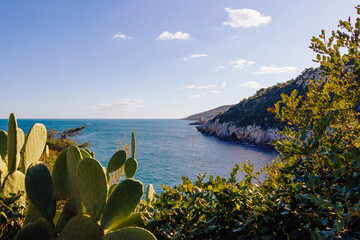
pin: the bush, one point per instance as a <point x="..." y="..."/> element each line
<point x="312" y="190"/>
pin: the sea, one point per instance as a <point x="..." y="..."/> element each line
<point x="166" y="149"/>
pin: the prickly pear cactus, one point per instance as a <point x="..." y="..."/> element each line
<point x="133" y="220"/>
<point x="92" y="187"/>
<point x="133" y="143"/>
<point x="47" y="152"/>
<point x="73" y="159"/>
<point x="3" y="171"/>
<point x="34" y="145"/>
<point x="40" y="229"/>
<point x="85" y="154"/>
<point x="130" y="233"/>
<point x="116" y="161"/>
<point x="60" y="177"/>
<point x="122" y="202"/>
<point x="32" y="214"/>
<point x="39" y="189"/>
<point x="130" y="167"/>
<point x="81" y="227"/>
<point x="150" y="193"/>
<point x="68" y="211"/>
<point x="13" y="183"/>
<point x="12" y="144"/>
<point x="3" y="144"/>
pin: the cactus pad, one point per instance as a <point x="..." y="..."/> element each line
<point x="81" y="227"/>
<point x="40" y="229"/>
<point x="130" y="233"/>
<point x="73" y="159"/>
<point x="150" y="193"/>
<point x="133" y="220"/>
<point x="85" y="154"/>
<point x="47" y="152"/>
<point x="32" y="214"/>
<point x="34" y="145"/>
<point x="111" y="189"/>
<point x="116" y="161"/>
<point x="69" y="211"/>
<point x="3" y="171"/>
<point x="92" y="187"/>
<point x="3" y="144"/>
<point x="122" y="202"/>
<point x="60" y="178"/>
<point x="133" y="144"/>
<point x="39" y="189"/>
<point x="13" y="183"/>
<point x="130" y="167"/>
<point x="12" y="144"/>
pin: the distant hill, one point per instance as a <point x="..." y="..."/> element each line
<point x="249" y="120"/>
<point x="253" y="110"/>
<point x="207" y="115"/>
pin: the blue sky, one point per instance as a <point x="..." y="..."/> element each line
<point x="152" y="59"/>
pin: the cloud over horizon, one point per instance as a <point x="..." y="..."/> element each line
<point x="218" y="68"/>
<point x="245" y="18"/>
<point x="275" y="70"/>
<point x="251" y="84"/>
<point x="119" y="35"/>
<point x="121" y="104"/>
<point x="241" y="63"/>
<point x="171" y="36"/>
<point x="195" y="56"/>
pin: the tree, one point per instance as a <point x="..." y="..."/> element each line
<point x="321" y="144"/>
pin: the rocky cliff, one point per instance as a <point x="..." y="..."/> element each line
<point x="250" y="121"/>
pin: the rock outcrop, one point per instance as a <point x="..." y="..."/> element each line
<point x="250" y="121"/>
<point x="249" y="134"/>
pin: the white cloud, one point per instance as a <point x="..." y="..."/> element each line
<point x="198" y="55"/>
<point x="119" y="35"/>
<point x="121" y="104"/>
<point x="275" y="69"/>
<point x="199" y="95"/>
<point x="251" y="84"/>
<point x="245" y="18"/>
<point x="241" y="63"/>
<point x="171" y="36"/>
<point x="207" y="87"/>
<point x="195" y="56"/>
<point x="223" y="84"/>
<point x="218" y="68"/>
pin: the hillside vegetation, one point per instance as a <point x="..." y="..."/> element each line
<point x="254" y="110"/>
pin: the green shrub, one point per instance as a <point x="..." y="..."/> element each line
<point x="312" y="190"/>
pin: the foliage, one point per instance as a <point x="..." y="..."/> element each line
<point x="92" y="210"/>
<point x="12" y="214"/>
<point x="253" y="110"/>
<point x="58" y="141"/>
<point x="19" y="153"/>
<point x="313" y="190"/>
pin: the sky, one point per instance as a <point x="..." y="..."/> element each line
<point x="152" y="59"/>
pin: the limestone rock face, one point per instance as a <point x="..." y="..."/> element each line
<point x="250" y="134"/>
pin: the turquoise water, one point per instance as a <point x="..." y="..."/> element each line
<point x="166" y="149"/>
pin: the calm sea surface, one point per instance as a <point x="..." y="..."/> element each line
<point x="165" y="149"/>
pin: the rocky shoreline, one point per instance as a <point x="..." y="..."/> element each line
<point x="250" y="134"/>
